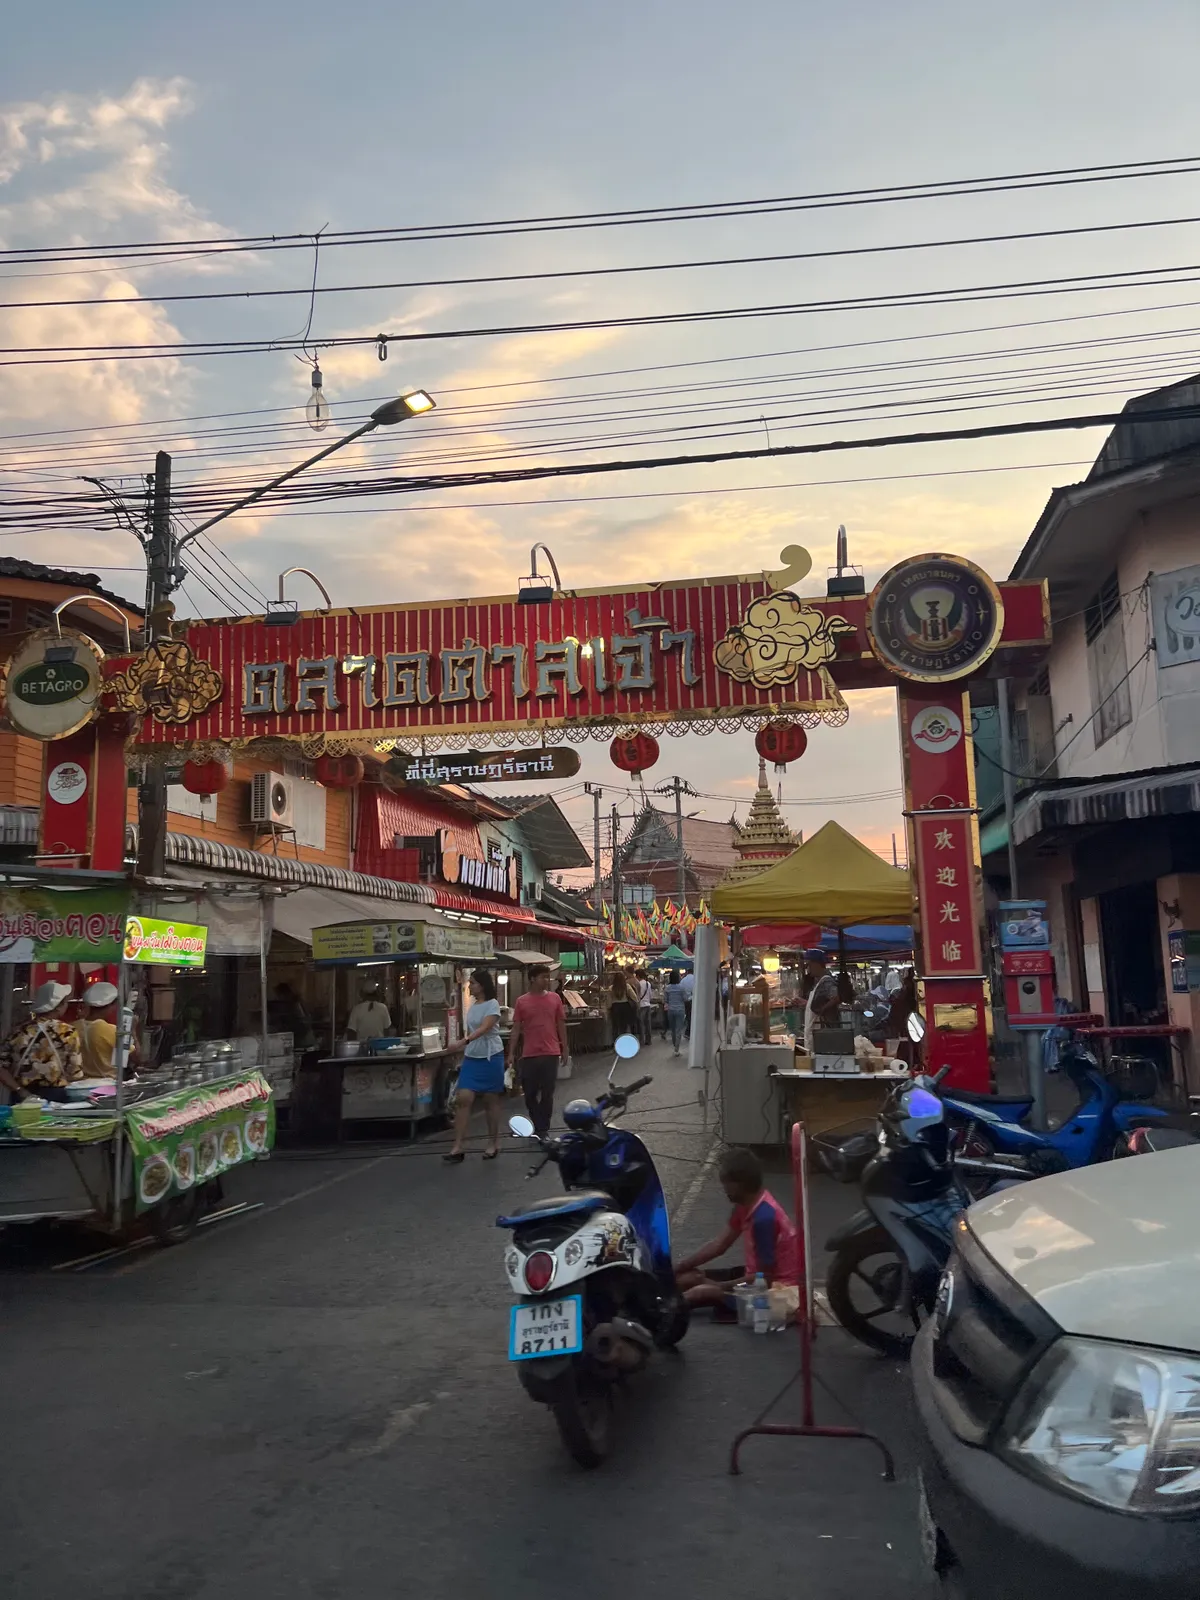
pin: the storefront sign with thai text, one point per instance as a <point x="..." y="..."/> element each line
<point x="487" y="766"/>
<point x="354" y="943"/>
<point x="62" y="925"/>
<point x="156" y="943"/>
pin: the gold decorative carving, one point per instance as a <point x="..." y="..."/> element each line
<point x="778" y="638"/>
<point x="166" y="682"/>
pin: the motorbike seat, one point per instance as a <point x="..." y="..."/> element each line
<point x="992" y="1101"/>
<point x="582" y="1201"/>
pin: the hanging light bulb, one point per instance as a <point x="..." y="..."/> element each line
<point x="317" y="409"/>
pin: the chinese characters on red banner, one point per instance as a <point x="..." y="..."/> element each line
<point x="945" y="886"/>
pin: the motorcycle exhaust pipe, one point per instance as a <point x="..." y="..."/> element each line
<point x="607" y="1346"/>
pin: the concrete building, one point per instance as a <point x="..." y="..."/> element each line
<point x="1106" y="738"/>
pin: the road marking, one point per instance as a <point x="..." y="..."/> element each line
<point x="358" y="1168"/>
<point x="395" y="1427"/>
<point x="683" y="1210"/>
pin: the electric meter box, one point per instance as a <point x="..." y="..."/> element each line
<point x="1028" y="987"/>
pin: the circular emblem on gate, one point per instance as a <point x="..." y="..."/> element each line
<point x="935" y="618"/>
<point x="51" y="685"/>
<point x="67" y="783"/>
<point x="936" y="728"/>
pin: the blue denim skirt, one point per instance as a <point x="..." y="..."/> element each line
<point x="482" y="1076"/>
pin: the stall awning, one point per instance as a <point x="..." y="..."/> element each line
<point x="298" y="914"/>
<point x="1132" y="797"/>
<point x="831" y="879"/>
<point x="506" y="916"/>
<point x="771" y="935"/>
<point x="524" y="958"/>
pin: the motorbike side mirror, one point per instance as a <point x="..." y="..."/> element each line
<point x="915" y="1027"/>
<point x="627" y="1046"/>
<point x="521" y="1127"/>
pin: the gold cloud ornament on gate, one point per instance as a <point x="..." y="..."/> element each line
<point x="777" y="639"/>
<point x="166" y="682"/>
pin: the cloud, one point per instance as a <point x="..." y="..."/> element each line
<point x="95" y="160"/>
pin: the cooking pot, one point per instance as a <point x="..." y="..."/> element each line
<point x="345" y="1048"/>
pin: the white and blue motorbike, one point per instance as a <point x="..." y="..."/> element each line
<point x="592" y="1269"/>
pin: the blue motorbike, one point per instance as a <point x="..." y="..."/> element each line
<point x="591" y="1269"/>
<point x="1097" y="1129"/>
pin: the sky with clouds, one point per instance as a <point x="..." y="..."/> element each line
<point x="135" y="123"/>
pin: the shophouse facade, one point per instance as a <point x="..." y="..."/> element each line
<point x="1105" y="743"/>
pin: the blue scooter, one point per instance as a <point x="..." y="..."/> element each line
<point x="1097" y="1129"/>
<point x="591" y="1269"/>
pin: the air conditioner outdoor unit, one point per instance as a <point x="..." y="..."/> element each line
<point x="271" y="797"/>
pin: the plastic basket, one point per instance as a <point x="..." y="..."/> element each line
<point x="1133" y="1077"/>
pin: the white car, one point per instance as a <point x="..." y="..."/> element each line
<point x="1058" y="1389"/>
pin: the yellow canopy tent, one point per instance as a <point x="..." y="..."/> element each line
<point x="831" y="879"/>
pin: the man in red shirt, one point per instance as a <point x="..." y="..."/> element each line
<point x="536" y="1045"/>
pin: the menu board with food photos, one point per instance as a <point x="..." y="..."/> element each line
<point x="185" y="1138"/>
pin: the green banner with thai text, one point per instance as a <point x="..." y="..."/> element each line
<point x="39" y="924"/>
<point x="179" y="1140"/>
<point x="156" y="943"/>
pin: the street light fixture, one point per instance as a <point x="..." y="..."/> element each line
<point x="414" y="404"/>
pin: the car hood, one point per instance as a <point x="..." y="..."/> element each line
<point x="1110" y="1251"/>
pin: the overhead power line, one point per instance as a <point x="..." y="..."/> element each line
<point x="310" y="292"/>
<point x="936" y="189"/>
<point x="1129" y="278"/>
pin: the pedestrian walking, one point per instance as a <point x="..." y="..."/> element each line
<point x="676" y="1008"/>
<point x="482" y="1070"/>
<point x="536" y="1046"/>
<point x="645" y="1007"/>
<point x="622" y="1008"/>
<point x="688" y="984"/>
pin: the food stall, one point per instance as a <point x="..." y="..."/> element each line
<point x="135" y="1148"/>
<point x="834" y="882"/>
<point x="403" y="1075"/>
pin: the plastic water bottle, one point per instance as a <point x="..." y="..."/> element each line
<point x="762" y="1305"/>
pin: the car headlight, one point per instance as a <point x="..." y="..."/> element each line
<point x="1117" y="1424"/>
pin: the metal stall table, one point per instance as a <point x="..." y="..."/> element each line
<point x="403" y="1077"/>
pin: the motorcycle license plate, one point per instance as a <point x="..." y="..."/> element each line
<point x="546" y="1328"/>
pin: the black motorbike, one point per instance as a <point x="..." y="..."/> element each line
<point x="888" y="1258"/>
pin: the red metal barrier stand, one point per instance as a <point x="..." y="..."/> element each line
<point x="808" y="1427"/>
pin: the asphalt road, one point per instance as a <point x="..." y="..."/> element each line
<point x="313" y="1400"/>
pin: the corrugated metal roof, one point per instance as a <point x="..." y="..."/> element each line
<point x="35" y="572"/>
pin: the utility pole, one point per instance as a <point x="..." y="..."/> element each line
<point x="679" y="787"/>
<point x="616" y="872"/>
<point x="597" y="794"/>
<point x="160" y="580"/>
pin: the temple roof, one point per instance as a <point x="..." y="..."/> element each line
<point x="765" y="838"/>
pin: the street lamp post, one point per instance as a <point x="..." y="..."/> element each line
<point x="163" y="576"/>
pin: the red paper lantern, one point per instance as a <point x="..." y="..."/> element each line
<point x="340" y="772"/>
<point x="781" y="742"/>
<point x="634" y="753"/>
<point x="204" y="777"/>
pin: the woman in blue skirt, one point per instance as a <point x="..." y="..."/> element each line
<point x="482" y="1070"/>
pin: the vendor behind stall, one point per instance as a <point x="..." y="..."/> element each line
<point x="97" y="1029"/>
<point x="823" y="1003"/>
<point x="370" y="1018"/>
<point x="43" y="1055"/>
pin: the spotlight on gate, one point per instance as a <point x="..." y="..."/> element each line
<point x="537" y="589"/>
